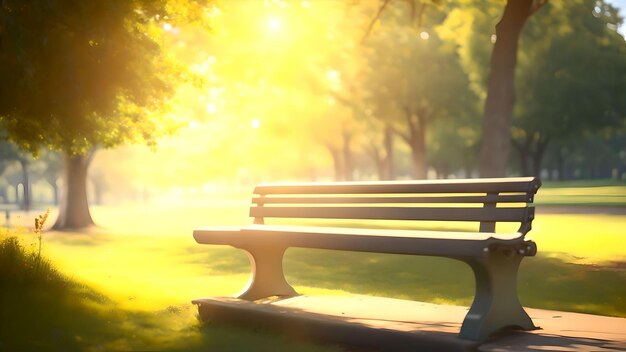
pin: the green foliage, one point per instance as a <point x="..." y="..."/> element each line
<point x="571" y="78"/>
<point x="8" y="153"/>
<point x="571" y="86"/>
<point x="416" y="83"/>
<point x="22" y="268"/>
<point x="471" y="26"/>
<point x="82" y="74"/>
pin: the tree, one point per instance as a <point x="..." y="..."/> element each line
<point x="572" y="82"/>
<point x="500" y="86"/>
<point x="416" y="80"/>
<point x="81" y="75"/>
<point x="51" y="170"/>
<point x="9" y="153"/>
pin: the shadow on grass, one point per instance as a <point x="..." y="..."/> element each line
<point x="544" y="281"/>
<point x="93" y="238"/>
<point x="41" y="310"/>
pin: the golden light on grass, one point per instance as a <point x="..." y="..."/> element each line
<point x="141" y="253"/>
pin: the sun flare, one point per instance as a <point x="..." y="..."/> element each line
<point x="274" y="24"/>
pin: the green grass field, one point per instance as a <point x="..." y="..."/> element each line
<point x="128" y="284"/>
<point x="579" y="193"/>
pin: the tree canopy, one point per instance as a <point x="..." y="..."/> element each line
<point x="81" y="74"/>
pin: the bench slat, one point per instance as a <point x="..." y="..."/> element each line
<point x="361" y="240"/>
<point x="517" y="198"/>
<point x="486" y="185"/>
<point x="397" y="213"/>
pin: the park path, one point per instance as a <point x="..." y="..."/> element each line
<point x="377" y="323"/>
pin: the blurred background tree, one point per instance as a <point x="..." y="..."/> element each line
<point x="571" y="82"/>
<point x="78" y="76"/>
<point x="278" y="90"/>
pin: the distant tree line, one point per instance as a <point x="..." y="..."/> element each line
<point x="420" y="94"/>
<point x="415" y="94"/>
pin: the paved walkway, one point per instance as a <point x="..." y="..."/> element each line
<point x="398" y="325"/>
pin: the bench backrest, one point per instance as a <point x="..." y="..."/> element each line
<point x="456" y="200"/>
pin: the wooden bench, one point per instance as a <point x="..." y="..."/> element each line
<point x="493" y="257"/>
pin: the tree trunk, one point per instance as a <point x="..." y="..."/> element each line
<point x="55" y="192"/>
<point x="348" y="163"/>
<point x="418" y="156"/>
<point x="468" y="170"/>
<point x="539" y="153"/>
<point x="560" y="164"/>
<point x="524" y="153"/>
<point x="500" y="88"/>
<point x="74" y="211"/>
<point x="388" y="160"/>
<point x="416" y="139"/>
<point x="537" y="161"/>
<point x="338" y="168"/>
<point x="380" y="169"/>
<point x="383" y="155"/>
<point x="442" y="170"/>
<point x="26" y="199"/>
<point x="17" y="194"/>
<point x="375" y="154"/>
<point x="55" y="189"/>
<point x="4" y="195"/>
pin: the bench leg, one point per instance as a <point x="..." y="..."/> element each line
<point x="267" y="277"/>
<point x="496" y="305"/>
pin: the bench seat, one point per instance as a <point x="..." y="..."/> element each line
<point x="392" y="241"/>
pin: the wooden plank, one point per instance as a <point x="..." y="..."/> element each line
<point x="517" y="198"/>
<point x="397" y="213"/>
<point x="491" y="185"/>
<point x="442" y="243"/>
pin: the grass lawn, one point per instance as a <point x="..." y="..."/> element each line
<point x="135" y="277"/>
<point x="583" y="193"/>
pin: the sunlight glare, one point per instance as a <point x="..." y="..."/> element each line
<point x="167" y="27"/>
<point x="211" y="108"/>
<point x="424" y="35"/>
<point x="274" y="23"/>
<point x="255" y="123"/>
<point x="334" y="77"/>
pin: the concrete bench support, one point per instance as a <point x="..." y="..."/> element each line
<point x="496" y="305"/>
<point x="267" y="278"/>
